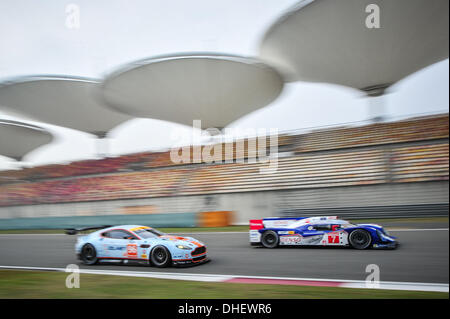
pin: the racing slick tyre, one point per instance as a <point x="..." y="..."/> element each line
<point x="360" y="239"/>
<point x="88" y="255"/>
<point x="270" y="239"/>
<point x="160" y="256"/>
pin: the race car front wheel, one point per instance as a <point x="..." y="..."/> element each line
<point x="270" y="239"/>
<point x="88" y="255"/>
<point x="360" y="239"/>
<point x="160" y="257"/>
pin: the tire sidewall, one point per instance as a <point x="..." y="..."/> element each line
<point x="360" y="231"/>
<point x="270" y="232"/>
<point x="83" y="260"/>
<point x="156" y="263"/>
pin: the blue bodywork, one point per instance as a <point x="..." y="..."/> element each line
<point x="305" y="228"/>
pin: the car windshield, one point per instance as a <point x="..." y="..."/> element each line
<point x="148" y="233"/>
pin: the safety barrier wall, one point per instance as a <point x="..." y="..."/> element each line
<point x="155" y="220"/>
<point x="214" y="219"/>
<point x="202" y="219"/>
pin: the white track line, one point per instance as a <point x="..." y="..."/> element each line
<point x="389" y="285"/>
<point x="142" y="274"/>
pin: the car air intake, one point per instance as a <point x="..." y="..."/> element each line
<point x="198" y="251"/>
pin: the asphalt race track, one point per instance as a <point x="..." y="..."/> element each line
<point x="422" y="257"/>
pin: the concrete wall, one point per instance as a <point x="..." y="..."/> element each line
<point x="156" y="220"/>
<point x="251" y="204"/>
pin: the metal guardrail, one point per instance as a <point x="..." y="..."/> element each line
<point x="398" y="211"/>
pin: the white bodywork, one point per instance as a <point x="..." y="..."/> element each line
<point x="335" y="238"/>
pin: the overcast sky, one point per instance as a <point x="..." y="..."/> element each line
<point x="34" y="39"/>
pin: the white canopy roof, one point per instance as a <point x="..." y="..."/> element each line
<point x="216" y="89"/>
<point x="58" y="100"/>
<point x="18" y="139"/>
<point x="328" y="41"/>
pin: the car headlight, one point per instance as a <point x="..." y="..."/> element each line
<point x="183" y="247"/>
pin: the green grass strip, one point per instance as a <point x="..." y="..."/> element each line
<point x="34" y="284"/>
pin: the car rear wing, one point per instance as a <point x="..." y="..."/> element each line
<point x="74" y="231"/>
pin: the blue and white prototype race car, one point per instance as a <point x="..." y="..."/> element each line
<point x="137" y="243"/>
<point x="318" y="231"/>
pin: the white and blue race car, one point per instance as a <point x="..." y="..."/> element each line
<point x="137" y="243"/>
<point x="318" y="231"/>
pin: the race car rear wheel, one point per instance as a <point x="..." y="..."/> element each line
<point x="270" y="239"/>
<point x="160" y="257"/>
<point x="360" y="239"/>
<point x="88" y="254"/>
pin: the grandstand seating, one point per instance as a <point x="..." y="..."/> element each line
<point x="429" y="128"/>
<point x="78" y="168"/>
<point x="350" y="168"/>
<point x="117" y="186"/>
<point x="137" y="161"/>
<point x="375" y="134"/>
<point x="343" y="163"/>
<point x="420" y="163"/>
<point x="408" y="164"/>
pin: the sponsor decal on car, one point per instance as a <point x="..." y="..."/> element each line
<point x="281" y="223"/>
<point x="291" y="240"/>
<point x="115" y="248"/>
<point x="256" y="224"/>
<point x="334" y="238"/>
<point x="312" y="240"/>
<point x="132" y="250"/>
<point x="286" y="232"/>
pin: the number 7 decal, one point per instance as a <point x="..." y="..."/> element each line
<point x="333" y="238"/>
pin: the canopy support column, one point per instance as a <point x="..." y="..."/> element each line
<point x="101" y="144"/>
<point x="376" y="108"/>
